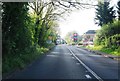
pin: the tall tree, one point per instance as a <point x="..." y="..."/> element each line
<point x="47" y="10"/>
<point x="118" y="11"/>
<point x="104" y="13"/>
<point x="15" y="32"/>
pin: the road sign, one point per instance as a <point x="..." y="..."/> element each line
<point x="75" y="37"/>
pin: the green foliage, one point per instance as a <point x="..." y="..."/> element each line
<point x="112" y="29"/>
<point x="15" y="29"/>
<point x="103" y="36"/>
<point x="22" y="39"/>
<point x="115" y="40"/>
<point x="19" y="62"/>
<point x="104" y="13"/>
<point x="109" y="38"/>
<point x="45" y="32"/>
<point x="68" y="37"/>
<point x="106" y="50"/>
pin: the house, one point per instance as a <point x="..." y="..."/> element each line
<point x="88" y="37"/>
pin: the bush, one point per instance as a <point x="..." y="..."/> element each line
<point x="113" y="41"/>
<point x="109" y="37"/>
<point x="104" y="35"/>
<point x="20" y="60"/>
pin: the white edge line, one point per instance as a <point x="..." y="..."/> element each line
<point x="93" y="73"/>
<point x="88" y="76"/>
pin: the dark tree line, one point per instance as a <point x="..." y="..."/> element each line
<point x="106" y="14"/>
<point x="21" y="41"/>
<point x="15" y="31"/>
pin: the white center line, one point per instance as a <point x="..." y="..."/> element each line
<point x="93" y="73"/>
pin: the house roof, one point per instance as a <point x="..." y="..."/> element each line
<point x="90" y="32"/>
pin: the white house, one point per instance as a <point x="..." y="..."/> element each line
<point x="88" y="37"/>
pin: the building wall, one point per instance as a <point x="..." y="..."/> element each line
<point x="88" y="38"/>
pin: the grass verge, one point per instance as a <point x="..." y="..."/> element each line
<point x="106" y="50"/>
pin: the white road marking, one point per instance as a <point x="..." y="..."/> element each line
<point x="93" y="73"/>
<point x="88" y="76"/>
<point x="52" y="56"/>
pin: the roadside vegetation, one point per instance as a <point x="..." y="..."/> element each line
<point x="101" y="48"/>
<point x="107" y="39"/>
<point x="24" y="36"/>
<point x="30" y="29"/>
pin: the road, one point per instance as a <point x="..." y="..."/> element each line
<point x="70" y="62"/>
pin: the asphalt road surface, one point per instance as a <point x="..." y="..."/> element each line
<point x="70" y="62"/>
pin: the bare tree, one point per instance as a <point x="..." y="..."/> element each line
<point x="58" y="7"/>
<point x="47" y="10"/>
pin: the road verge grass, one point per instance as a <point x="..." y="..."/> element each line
<point x="103" y="49"/>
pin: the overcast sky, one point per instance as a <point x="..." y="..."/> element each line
<point x="80" y="21"/>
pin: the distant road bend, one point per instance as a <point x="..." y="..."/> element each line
<point x="70" y="62"/>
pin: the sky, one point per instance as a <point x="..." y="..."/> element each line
<point x="80" y="21"/>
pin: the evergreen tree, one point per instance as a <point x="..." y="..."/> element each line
<point x="118" y="11"/>
<point x="15" y="32"/>
<point x="104" y="13"/>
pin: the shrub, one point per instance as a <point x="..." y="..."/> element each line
<point x="108" y="34"/>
